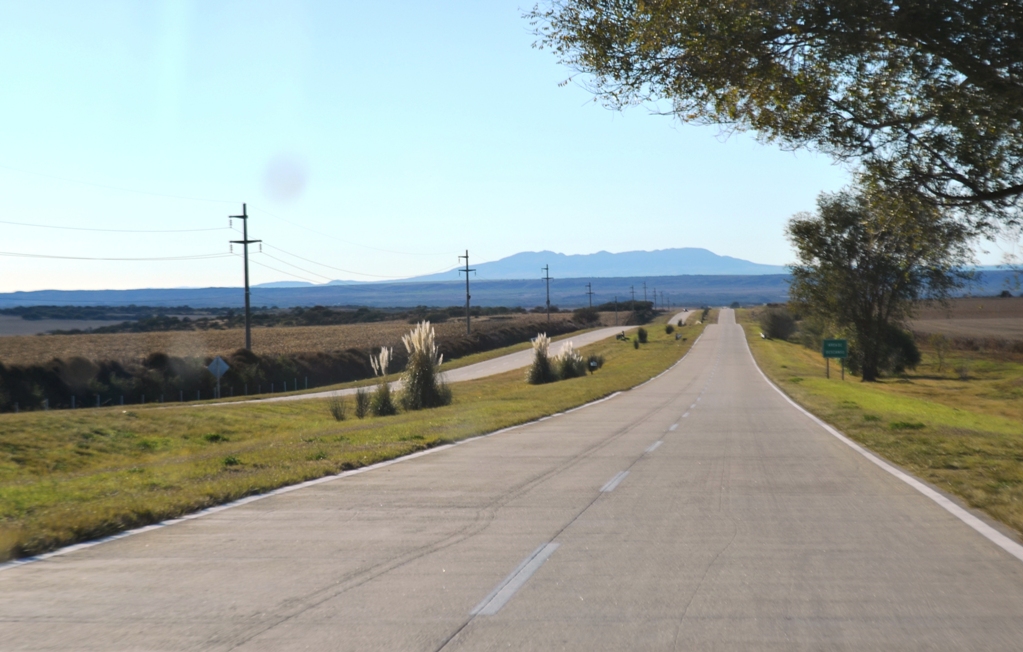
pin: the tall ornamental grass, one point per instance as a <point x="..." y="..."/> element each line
<point x="541" y="371"/>
<point x="568" y="363"/>
<point x="382" y="404"/>
<point x="422" y="387"/>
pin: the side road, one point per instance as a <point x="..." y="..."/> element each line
<point x="505" y="363"/>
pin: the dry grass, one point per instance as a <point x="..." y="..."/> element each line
<point x="132" y="347"/>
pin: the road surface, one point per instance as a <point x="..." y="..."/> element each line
<point x="700" y="511"/>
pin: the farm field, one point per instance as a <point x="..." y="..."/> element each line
<point x="1009" y="328"/>
<point x="74" y="475"/>
<point x="134" y="347"/>
<point x="973" y="317"/>
<point x="956" y="422"/>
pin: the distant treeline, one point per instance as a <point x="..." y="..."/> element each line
<point x="59" y="383"/>
<point x="183" y="318"/>
<point x="37" y="313"/>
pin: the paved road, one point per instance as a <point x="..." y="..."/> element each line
<point x="700" y="511"/>
<point x="493" y="367"/>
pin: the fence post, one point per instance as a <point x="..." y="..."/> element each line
<point x="143" y="399"/>
<point x="182" y="395"/>
<point x="46" y="404"/>
<point x="72" y="401"/>
<point x="122" y="399"/>
<point x="15" y="408"/>
<point x="198" y="394"/>
<point x="307" y="382"/>
<point x="97" y="400"/>
<point x="246" y="389"/>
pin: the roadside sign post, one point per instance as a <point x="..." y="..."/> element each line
<point x="834" y="349"/>
<point x="218" y="368"/>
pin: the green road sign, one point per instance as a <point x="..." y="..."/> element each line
<point x="835" y="348"/>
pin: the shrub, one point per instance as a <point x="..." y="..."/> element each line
<point x="337" y="406"/>
<point x="941" y="347"/>
<point x="641" y="335"/>
<point x="568" y="363"/>
<point x="361" y="403"/>
<point x="902" y="351"/>
<point x="778" y="323"/>
<point x="669" y="329"/>
<point x="585" y="315"/>
<point x="540" y="371"/>
<point x="635" y="343"/>
<point x="421" y="386"/>
<point x="381" y="404"/>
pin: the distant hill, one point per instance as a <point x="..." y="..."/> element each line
<point x="603" y="264"/>
<point x="711" y="290"/>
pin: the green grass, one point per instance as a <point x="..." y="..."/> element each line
<point x="963" y="436"/>
<point x="69" y="476"/>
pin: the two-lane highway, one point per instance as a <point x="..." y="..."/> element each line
<point x="699" y="511"/>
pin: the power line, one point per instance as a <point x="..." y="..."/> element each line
<point x="82" y="228"/>
<point x="338" y="269"/>
<point x="292" y="275"/>
<point x="295" y="266"/>
<point x="195" y="257"/>
<point x="349" y="242"/>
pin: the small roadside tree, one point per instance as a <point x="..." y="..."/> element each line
<point x="866" y="256"/>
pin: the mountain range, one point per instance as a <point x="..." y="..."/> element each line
<point x="686" y="261"/>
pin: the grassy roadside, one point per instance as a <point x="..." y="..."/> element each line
<point x="963" y="436"/>
<point x="69" y="476"/>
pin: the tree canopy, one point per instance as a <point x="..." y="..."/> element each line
<point x="866" y="256"/>
<point x="925" y="95"/>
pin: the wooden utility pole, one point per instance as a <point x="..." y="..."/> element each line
<point x="589" y="292"/>
<point x="468" y="328"/>
<point x="547" y="277"/>
<point x="245" y="242"/>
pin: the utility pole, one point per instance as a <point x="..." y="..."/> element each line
<point x="589" y="292"/>
<point x="632" y="288"/>
<point x="468" y="330"/>
<point x="655" y="298"/>
<point x="245" y="242"/>
<point x="616" y="310"/>
<point x="644" y="290"/>
<point x="547" y="277"/>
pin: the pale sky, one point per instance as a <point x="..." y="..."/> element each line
<point x="379" y="138"/>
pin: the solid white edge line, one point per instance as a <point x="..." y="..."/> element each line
<point x="614" y="482"/>
<point x="308" y="483"/>
<point x="504" y="591"/>
<point x="982" y="528"/>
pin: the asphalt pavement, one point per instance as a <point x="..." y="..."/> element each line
<point x="699" y="511"/>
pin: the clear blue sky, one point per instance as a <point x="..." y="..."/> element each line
<point x="381" y="138"/>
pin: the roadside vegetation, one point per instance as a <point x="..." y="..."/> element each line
<point x="69" y="476"/>
<point x="955" y="420"/>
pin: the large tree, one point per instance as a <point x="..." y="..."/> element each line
<point x="922" y="95"/>
<point x="866" y="257"/>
